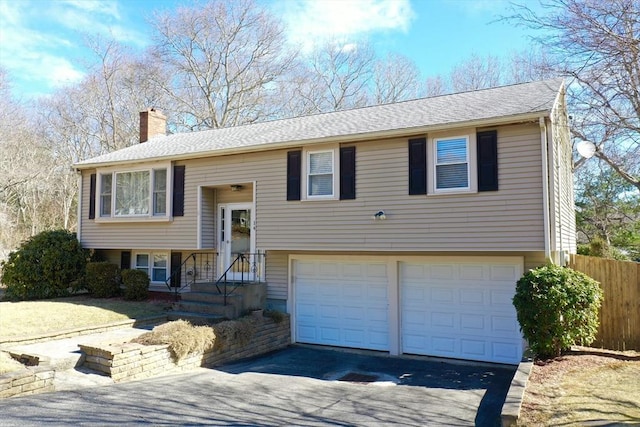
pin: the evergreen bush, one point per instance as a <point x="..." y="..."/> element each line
<point x="103" y="279"/>
<point x="48" y="265"/>
<point x="557" y="307"/>
<point x="136" y="285"/>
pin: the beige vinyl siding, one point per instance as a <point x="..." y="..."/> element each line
<point x="509" y="219"/>
<point x="276" y="274"/>
<point x="506" y="220"/>
<point x="179" y="233"/>
<point x="278" y="264"/>
<point x="226" y="195"/>
<point x="209" y="214"/>
<point x="563" y="222"/>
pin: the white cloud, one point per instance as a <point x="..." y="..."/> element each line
<point x="33" y="55"/>
<point x="94" y="17"/>
<point x="311" y="21"/>
<point x="42" y="43"/>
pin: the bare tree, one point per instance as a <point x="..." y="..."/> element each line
<point x="395" y="78"/>
<point x="29" y="198"/>
<point x="435" y="85"/>
<point x="224" y="59"/>
<point x="596" y="43"/>
<point x="476" y="73"/>
<point x="336" y="77"/>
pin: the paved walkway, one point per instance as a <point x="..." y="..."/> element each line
<point x="65" y="358"/>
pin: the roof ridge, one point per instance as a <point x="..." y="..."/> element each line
<point x="515" y="102"/>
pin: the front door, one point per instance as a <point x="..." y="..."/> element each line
<point x="236" y="237"/>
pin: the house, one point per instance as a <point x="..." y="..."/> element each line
<point x="401" y="227"/>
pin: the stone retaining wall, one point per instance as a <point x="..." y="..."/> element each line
<point x="131" y="361"/>
<point x="30" y="380"/>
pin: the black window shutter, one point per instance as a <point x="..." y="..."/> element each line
<point x="487" y="160"/>
<point x="92" y="196"/>
<point x="294" y="171"/>
<point x="347" y="173"/>
<point x="176" y="269"/>
<point x="418" y="166"/>
<point x="178" y="191"/>
<point x="125" y="260"/>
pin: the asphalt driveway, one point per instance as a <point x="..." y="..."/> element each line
<point x="295" y="386"/>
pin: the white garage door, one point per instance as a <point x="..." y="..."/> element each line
<point x="341" y="303"/>
<point x="460" y="309"/>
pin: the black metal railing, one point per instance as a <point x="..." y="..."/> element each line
<point x="198" y="267"/>
<point x="245" y="268"/>
<point x="201" y="267"/>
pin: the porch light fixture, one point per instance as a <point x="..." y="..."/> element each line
<point x="236" y="187"/>
<point x="379" y="215"/>
<point x="586" y="149"/>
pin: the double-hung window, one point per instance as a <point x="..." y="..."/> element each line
<point x="452" y="164"/>
<point x="137" y="193"/>
<point x="160" y="192"/>
<point x="142" y="262"/>
<point x="105" y="194"/>
<point x="154" y="264"/>
<point x="320" y="174"/>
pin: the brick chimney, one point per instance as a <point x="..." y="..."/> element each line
<point x="152" y="123"/>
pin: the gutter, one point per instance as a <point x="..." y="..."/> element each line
<point x="267" y="146"/>
<point x="545" y="187"/>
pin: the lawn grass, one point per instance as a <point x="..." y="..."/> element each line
<point x="8" y="363"/>
<point x="584" y="389"/>
<point x="27" y="318"/>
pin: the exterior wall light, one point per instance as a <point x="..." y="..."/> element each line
<point x="379" y="215"/>
<point x="236" y="187"/>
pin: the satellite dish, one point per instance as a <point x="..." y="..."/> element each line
<point x="586" y="149"/>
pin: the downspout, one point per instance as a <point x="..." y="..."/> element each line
<point x="545" y="188"/>
<point x="79" y="208"/>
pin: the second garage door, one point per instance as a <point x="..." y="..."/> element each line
<point x="341" y="303"/>
<point x="460" y="309"/>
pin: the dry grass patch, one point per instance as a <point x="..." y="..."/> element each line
<point x="8" y="363"/>
<point x="583" y="388"/>
<point x="183" y="338"/>
<point x="26" y="318"/>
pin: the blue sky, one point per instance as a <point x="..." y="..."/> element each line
<point x="41" y="41"/>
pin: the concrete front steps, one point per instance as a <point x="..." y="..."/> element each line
<point x="204" y="304"/>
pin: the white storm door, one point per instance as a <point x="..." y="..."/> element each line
<point x="236" y="237"/>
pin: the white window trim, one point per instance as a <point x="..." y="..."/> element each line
<point x="472" y="175"/>
<point x="335" y="153"/>
<point x="148" y="217"/>
<point x="149" y="271"/>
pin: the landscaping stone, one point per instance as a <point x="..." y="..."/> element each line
<point x="131" y="361"/>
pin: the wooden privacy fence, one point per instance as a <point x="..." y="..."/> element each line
<point x="620" y="311"/>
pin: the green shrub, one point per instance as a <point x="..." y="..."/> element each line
<point x="103" y="279"/>
<point x="557" y="307"/>
<point x="136" y="285"/>
<point x="47" y="265"/>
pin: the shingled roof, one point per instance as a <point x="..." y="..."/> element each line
<point x="502" y="104"/>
